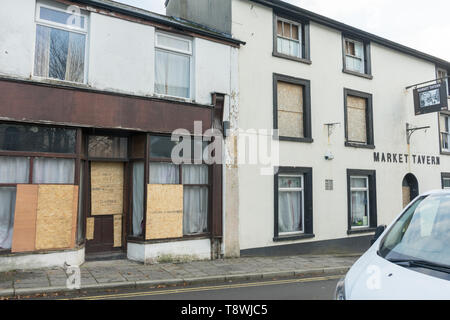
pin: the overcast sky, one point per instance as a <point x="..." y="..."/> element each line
<point x="423" y="25"/>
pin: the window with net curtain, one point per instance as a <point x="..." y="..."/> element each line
<point x="359" y="188"/>
<point x="60" y="45"/>
<point x="195" y="192"/>
<point x="13" y="170"/>
<point x="290" y="205"/>
<point x="16" y="170"/>
<point x="195" y="180"/>
<point x="173" y="56"/>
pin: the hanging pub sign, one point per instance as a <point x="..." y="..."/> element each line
<point x="430" y="99"/>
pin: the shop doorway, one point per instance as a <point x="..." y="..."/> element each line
<point x="410" y="189"/>
<point x="106" y="197"/>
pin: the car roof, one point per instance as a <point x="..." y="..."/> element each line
<point x="437" y="192"/>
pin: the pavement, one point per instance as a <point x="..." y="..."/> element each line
<point x="118" y="274"/>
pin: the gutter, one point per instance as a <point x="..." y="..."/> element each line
<point x="297" y="11"/>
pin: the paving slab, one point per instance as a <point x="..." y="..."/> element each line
<point x="105" y="275"/>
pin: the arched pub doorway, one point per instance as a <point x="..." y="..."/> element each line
<point x="410" y="189"/>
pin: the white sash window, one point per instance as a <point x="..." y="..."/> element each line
<point x="354" y="56"/>
<point x="290" y="205"/>
<point x="289" y="38"/>
<point x="359" y="188"/>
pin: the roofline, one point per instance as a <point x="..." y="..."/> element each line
<point x="161" y="19"/>
<point x="303" y="13"/>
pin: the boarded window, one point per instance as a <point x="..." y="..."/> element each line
<point x="290" y="110"/>
<point x="356" y="119"/>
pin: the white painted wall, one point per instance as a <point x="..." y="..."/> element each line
<point x="212" y="69"/>
<point x="42" y="260"/>
<point x="392" y="105"/>
<point x="120" y="53"/>
<point x="168" y="251"/>
<point x="17" y="37"/>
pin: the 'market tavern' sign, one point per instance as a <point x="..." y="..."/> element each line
<point x="430" y="99"/>
<point x="382" y="157"/>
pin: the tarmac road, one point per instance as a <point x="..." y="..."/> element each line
<point x="317" y="288"/>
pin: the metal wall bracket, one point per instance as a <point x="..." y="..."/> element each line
<point x="410" y="130"/>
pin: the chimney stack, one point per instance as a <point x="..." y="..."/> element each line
<point x="213" y="14"/>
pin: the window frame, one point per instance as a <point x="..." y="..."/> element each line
<point x="189" y="54"/>
<point x="366" y="59"/>
<point x="304" y="35"/>
<point x="445" y="176"/>
<point x="302" y="208"/>
<point x="148" y="162"/>
<point x="372" y="200"/>
<point x="440" y="69"/>
<point x="307" y="197"/>
<point x="370" y="144"/>
<point x="55" y="25"/>
<point x="366" y="191"/>
<point x="307" y="123"/>
<point x="60" y="25"/>
<point x="442" y="131"/>
<point x="32" y="155"/>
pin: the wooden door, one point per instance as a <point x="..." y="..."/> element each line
<point x="106" y="214"/>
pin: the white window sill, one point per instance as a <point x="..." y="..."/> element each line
<point x="173" y="98"/>
<point x="59" y="82"/>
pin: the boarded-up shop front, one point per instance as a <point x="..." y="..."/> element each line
<point x="70" y="187"/>
<point x="100" y="190"/>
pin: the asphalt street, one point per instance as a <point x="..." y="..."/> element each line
<point x="318" y="288"/>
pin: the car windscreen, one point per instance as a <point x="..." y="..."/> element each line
<point x="421" y="233"/>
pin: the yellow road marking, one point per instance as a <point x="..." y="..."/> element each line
<point x="208" y="288"/>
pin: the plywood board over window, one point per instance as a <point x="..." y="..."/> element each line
<point x="90" y="225"/>
<point x="56" y="216"/>
<point x="164" y="212"/>
<point x="24" y="235"/>
<point x="356" y="119"/>
<point x="290" y="110"/>
<point x="106" y="188"/>
<point x="45" y="218"/>
<point x="117" y="231"/>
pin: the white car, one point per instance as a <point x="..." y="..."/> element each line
<point x="410" y="260"/>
